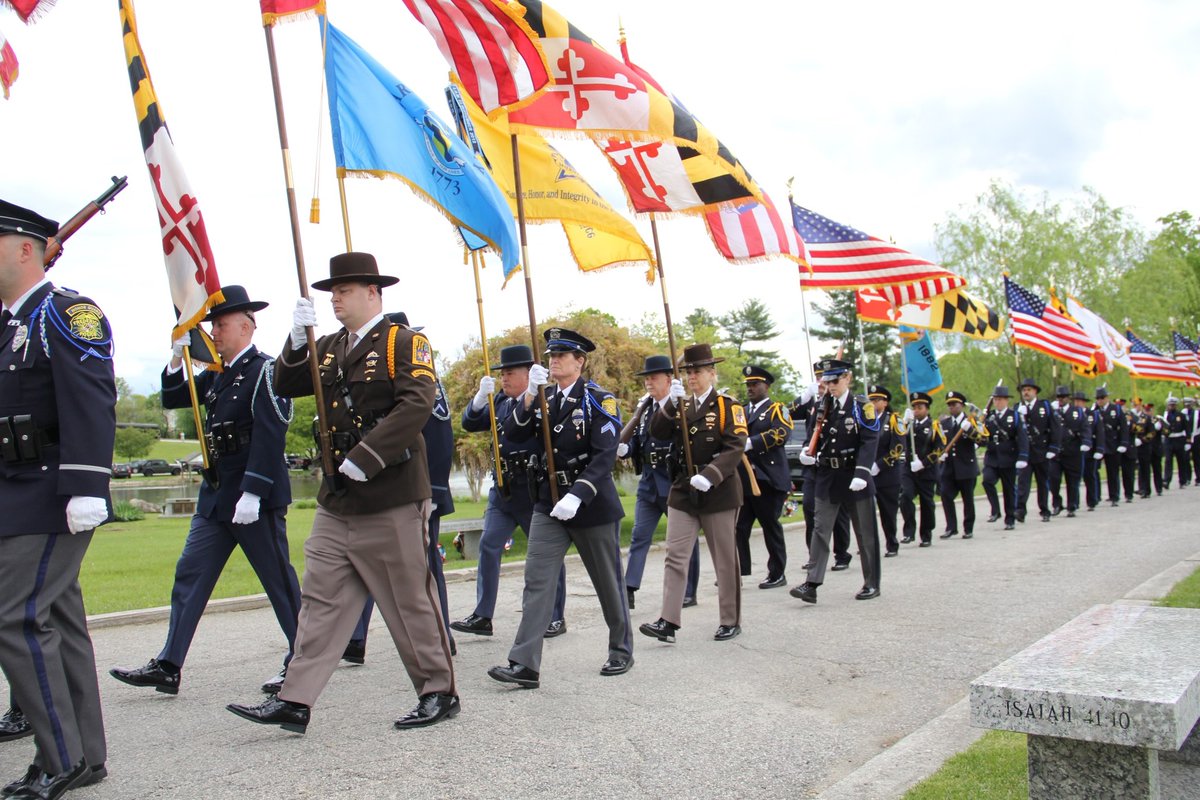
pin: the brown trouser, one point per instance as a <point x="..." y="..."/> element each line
<point x="347" y="559"/>
<point x="721" y="538"/>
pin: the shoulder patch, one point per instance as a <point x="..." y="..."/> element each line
<point x="739" y="416"/>
<point x="85" y="322"/>
<point x="609" y="404"/>
<point x="422" y="352"/>
<point x="424" y="373"/>
<point x="868" y="410"/>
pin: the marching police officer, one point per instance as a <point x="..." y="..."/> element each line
<point x="1116" y="437"/>
<point x="804" y="410"/>
<point x="243" y="501"/>
<point x="1141" y="429"/>
<point x="890" y="465"/>
<point x="1041" y="426"/>
<point x="1091" y="466"/>
<point x="1177" y="432"/>
<point x="57" y="424"/>
<point x="926" y="442"/>
<point x="1076" y="441"/>
<point x="768" y="431"/>
<point x="14" y="724"/>
<point x="1006" y="454"/>
<point x="585" y="429"/>
<point x="960" y="470"/>
<point x="1129" y="461"/>
<point x="1153" y="453"/>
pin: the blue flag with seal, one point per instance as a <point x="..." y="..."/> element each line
<point x="381" y="128"/>
<point x="922" y="373"/>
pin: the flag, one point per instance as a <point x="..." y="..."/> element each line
<point x="191" y="269"/>
<point x="1113" y="347"/>
<point x="277" y="10"/>
<point x="26" y="8"/>
<point x="1042" y="327"/>
<point x="921" y="370"/>
<point x="553" y="191"/>
<point x="954" y="312"/>
<point x="1185" y="351"/>
<point x="8" y="65"/>
<point x="845" y="258"/>
<point x="1150" y="364"/>
<point x="490" y="47"/>
<point x="382" y="128"/>
<point x="752" y="232"/>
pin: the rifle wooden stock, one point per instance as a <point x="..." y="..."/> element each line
<point x="68" y="229"/>
<point x="816" y="433"/>
<point x="973" y="411"/>
<point x="631" y="426"/>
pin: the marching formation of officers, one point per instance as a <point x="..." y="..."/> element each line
<point x="706" y="460"/>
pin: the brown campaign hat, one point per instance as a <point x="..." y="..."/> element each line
<point x="353" y="268"/>
<point x="698" y="355"/>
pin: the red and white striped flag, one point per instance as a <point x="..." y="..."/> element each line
<point x="274" y="11"/>
<point x="1150" y="364"/>
<point x="491" y="48"/>
<point x="1039" y="326"/>
<point x="752" y="232"/>
<point x="1186" y="351"/>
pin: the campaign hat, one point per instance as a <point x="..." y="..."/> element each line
<point x="515" y="355"/>
<point x="353" y="267"/>
<point x="236" y="299"/>
<point x="698" y="355"/>
<point x="654" y="364"/>
<point x="401" y="318"/>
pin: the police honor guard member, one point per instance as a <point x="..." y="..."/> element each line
<point x="804" y="410"/>
<point x="1193" y="414"/>
<point x="1076" y="441"/>
<point x="767" y="433"/>
<point x="889" y="465"/>
<point x="246" y="503"/>
<point x="1116" y="437"/>
<point x="370" y="535"/>
<point x="1006" y="454"/>
<point x="706" y="497"/>
<point x="510" y="502"/>
<point x="1042" y="428"/>
<point x="57" y="424"/>
<point x="1091" y="466"/>
<point x="649" y="457"/>
<point x="1129" y="460"/>
<point x="845" y="454"/>
<point x="926" y="442"/>
<point x="1177" y="434"/>
<point x="1144" y="429"/>
<point x="959" y="467"/>
<point x="585" y="428"/>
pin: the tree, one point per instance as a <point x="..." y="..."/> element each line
<point x="133" y="443"/>
<point x="750" y="323"/>
<point x="882" y="363"/>
<point x="299" y="437"/>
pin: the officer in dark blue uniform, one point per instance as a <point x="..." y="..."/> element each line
<point x="1076" y="440"/>
<point x="57" y="424"/>
<point x="1006" y="454"/>
<point x="804" y="411"/>
<point x="960" y="470"/>
<point x="510" y="504"/>
<point x="769" y="429"/>
<point x="925" y="444"/>
<point x="1177" y="437"/>
<point x="649" y="457"/>
<point x="1116" y="435"/>
<point x="1100" y="447"/>
<point x="1042" y="428"/>
<point x="246" y="505"/>
<point x="890" y="464"/>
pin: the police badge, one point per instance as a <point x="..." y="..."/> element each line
<point x="19" y="337"/>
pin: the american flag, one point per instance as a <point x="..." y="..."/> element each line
<point x="1150" y="364"/>
<point x="752" y="232"/>
<point x="845" y="258"/>
<point x="1186" y="351"/>
<point x="1039" y="326"/>
<point x="491" y="48"/>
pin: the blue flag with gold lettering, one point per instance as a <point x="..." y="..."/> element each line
<point x="922" y="373"/>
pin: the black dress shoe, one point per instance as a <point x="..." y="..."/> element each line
<point x="14" y="725"/>
<point x="1114" y="503"/>
<point x="355" y="652"/>
<point x="805" y="591"/>
<point x="617" y="666"/>
<point x="726" y="632"/>
<point x="907" y="539"/>
<point x="432" y="708"/>
<point x="30" y="777"/>
<point x="153" y="674"/>
<point x="891" y="554"/>
<point x="867" y="593"/>
<point x="515" y="673"/>
<point x="1057" y="510"/>
<point x="1128" y="499"/>
<point x="807" y="565"/>
<point x="1045" y="517"/>
<point x="630" y="592"/>
<point x="773" y="583"/>
<point x="839" y="566"/>
<point x="289" y="716"/>
<point x="50" y="787"/>
<point x="1091" y="508"/>
<point x="660" y="629"/>
<point x="993" y="517"/>
<point x="1070" y="514"/>
<point x="556" y="628"/>
<point x="273" y="685"/>
<point x="926" y="544"/>
<point x="968" y="535"/>
<point x="688" y="602"/>
<point x="948" y="534"/>
<point x="1021" y="519"/>
<point x="480" y="626"/>
<point x="98" y="773"/>
<point x="1009" y="526"/>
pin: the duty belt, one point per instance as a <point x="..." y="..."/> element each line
<point x="21" y="440"/>
<point x="843" y="460"/>
<point x="1179" y="435"/>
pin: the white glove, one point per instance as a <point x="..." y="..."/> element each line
<point x="351" y="471"/>
<point x="874" y="469"/>
<point x="700" y="483"/>
<point x="180" y="343"/>
<point x="677" y="391"/>
<point x="807" y="460"/>
<point x="965" y="424"/>
<point x="1122" y="449"/>
<point x="487" y="387"/>
<point x="917" y="465"/>
<point x="809" y="393"/>
<point x="305" y="316"/>
<point x="566" y="508"/>
<point x="1096" y="456"/>
<point x="1022" y="465"/>
<point x="1022" y="409"/>
<point x="622" y="450"/>
<point x="539" y="376"/>
<point x="246" y="510"/>
<point x="908" y="415"/>
<point x="858" y="484"/>
<point x="432" y="507"/>
<point x="1187" y="447"/>
<point x="1083" y="448"/>
<point x="85" y="513"/>
<point x="1158" y="426"/>
<point x="1051" y="455"/>
<point x="942" y="458"/>
<point x="1137" y="442"/>
<point x="749" y="444"/>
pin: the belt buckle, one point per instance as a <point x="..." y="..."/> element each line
<point x="835" y="462"/>
<point x="561" y="477"/>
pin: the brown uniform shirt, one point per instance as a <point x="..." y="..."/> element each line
<point x="718" y="437"/>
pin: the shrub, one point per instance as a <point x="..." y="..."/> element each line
<point x="125" y="511"/>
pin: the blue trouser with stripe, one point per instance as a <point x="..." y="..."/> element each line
<point x="500" y="521"/>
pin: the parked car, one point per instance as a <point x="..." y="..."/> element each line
<point x="122" y="471"/>
<point x="158" y="466"/>
<point x="295" y="461"/>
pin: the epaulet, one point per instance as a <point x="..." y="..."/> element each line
<point x="603" y="401"/>
<point x="63" y="291"/>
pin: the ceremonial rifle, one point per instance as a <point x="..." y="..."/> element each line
<point x="972" y="411"/>
<point x="55" y="244"/>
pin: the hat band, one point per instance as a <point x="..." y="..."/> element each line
<point x="567" y="343"/>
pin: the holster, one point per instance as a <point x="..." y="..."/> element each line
<point x="21" y="441"/>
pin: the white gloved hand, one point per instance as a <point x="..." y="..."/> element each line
<point x="1051" y="455"/>
<point x="1083" y="448"/>
<point x="908" y="415"/>
<point x="539" y="376"/>
<point x="807" y="460"/>
<point x="622" y="450"/>
<point x="965" y="424"/>
<point x="305" y="316"/>
<point x="1137" y="442"/>
<point x="1096" y="456"/>
<point x="566" y="508"/>
<point x="700" y="483"/>
<point x="1158" y="426"/>
<point x="874" y="470"/>
<point x="1022" y="465"/>
<point x="749" y="444"/>
<point x="1022" y="409"/>
<point x="85" y="513"/>
<point x="1122" y="449"/>
<point x="432" y="507"/>
<point x="246" y="510"/>
<point x="942" y="458"/>
<point x="677" y="391"/>
<point x="180" y="343"/>
<point x="858" y="484"/>
<point x="351" y="471"/>
<point x="487" y="387"/>
<point x="917" y="465"/>
<point x="808" y="393"/>
<point x="1187" y="447"/>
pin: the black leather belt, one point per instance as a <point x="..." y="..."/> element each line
<point x="837" y="462"/>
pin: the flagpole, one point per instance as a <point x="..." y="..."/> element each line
<point x="907" y="389"/>
<point x="327" y="467"/>
<point x="803" y="252"/>
<point x="804" y="313"/>
<point x="862" y="349"/>
<point x="486" y="361"/>
<point x="345" y="211"/>
<point x="549" y="444"/>
<point x="662" y="285"/>
<point x="191" y="382"/>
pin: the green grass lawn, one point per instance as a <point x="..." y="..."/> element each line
<point x="1185" y="594"/>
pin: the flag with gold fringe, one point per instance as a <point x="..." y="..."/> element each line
<point x="274" y="11"/>
<point x="753" y="232"/>
<point x="954" y="312"/>
<point x="28" y="10"/>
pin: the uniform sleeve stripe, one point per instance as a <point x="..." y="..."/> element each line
<point x="367" y="447"/>
<point x="87" y="468"/>
<point x="591" y="485"/>
<point x="260" y="477"/>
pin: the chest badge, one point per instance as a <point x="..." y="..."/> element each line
<point x="19" y="337"/>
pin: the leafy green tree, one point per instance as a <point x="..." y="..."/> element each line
<point x="882" y="364"/>
<point x="299" y="437"/>
<point x="750" y="323"/>
<point x="132" y="443"/>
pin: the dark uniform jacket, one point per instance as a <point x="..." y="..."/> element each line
<point x="439" y="450"/>
<point x="768" y="431"/>
<point x="584" y="429"/>
<point x="846" y="449"/>
<point x="927" y="441"/>
<point x="1141" y="426"/>
<point x="1043" y="429"/>
<point x="1100" y="443"/>
<point x="649" y="456"/>
<point x="383" y="419"/>
<point x="960" y="463"/>
<point x="1177" y="423"/>
<point x="514" y="455"/>
<point x="60" y="377"/>
<point x="890" y="451"/>
<point x="1076" y="430"/>
<point x="717" y="428"/>
<point x="1116" y="427"/>
<point x="1007" y="441"/>
<point x="249" y="452"/>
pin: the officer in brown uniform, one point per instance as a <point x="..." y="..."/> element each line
<point x="370" y="534"/>
<point x="707" y="499"/>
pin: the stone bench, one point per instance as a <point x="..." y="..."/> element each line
<point x="471" y="537"/>
<point x="179" y="507"/>
<point x="1101" y="698"/>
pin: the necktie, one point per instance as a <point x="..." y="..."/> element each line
<point x="5" y="316"/>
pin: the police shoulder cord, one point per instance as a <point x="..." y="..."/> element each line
<point x="861" y="419"/>
<point x="47" y="311"/>
<point x="268" y="370"/>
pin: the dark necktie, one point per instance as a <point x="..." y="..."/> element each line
<point x="5" y="316"/>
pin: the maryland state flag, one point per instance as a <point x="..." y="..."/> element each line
<point x="553" y="191"/>
<point x="8" y="65"/>
<point x="953" y="312"/>
<point x="26" y="9"/>
<point x="279" y="10"/>
<point x="191" y="271"/>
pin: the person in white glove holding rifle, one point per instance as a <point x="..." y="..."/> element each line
<point x="926" y="442"/>
<point x="585" y="427"/>
<point x="960" y="470"/>
<point x="708" y="498"/>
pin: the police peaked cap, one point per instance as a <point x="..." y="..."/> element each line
<point x="919" y="397"/>
<point x="955" y="397"/>
<point x="655" y="364"/>
<point x="515" y="355"/>
<point x="236" y="299"/>
<point x="878" y="392"/>
<point x="21" y="221"/>
<point x="832" y="367"/>
<point x="564" y="340"/>
<point x="1030" y="382"/>
<point x="753" y="373"/>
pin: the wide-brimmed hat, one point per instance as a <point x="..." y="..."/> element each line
<point x="1031" y="383"/>
<point x="353" y="268"/>
<point x="21" y="221"/>
<point x="698" y="355"/>
<point x="1101" y="392"/>
<point x="515" y="355"/>
<point x="655" y="364"/>
<point x="1079" y="394"/>
<point x="1001" y="391"/>
<point x="236" y="299"/>
<point x="1062" y="391"/>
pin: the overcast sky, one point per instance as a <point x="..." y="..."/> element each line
<point x="890" y="116"/>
